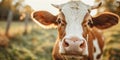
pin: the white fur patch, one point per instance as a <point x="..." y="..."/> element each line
<point x="95" y="43"/>
<point x="74" y="13"/>
<point x="86" y="50"/>
<point x="61" y="49"/>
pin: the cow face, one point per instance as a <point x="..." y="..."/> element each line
<point x="72" y="22"/>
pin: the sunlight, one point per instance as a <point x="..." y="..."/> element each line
<point x="0" y="0"/>
<point x="46" y="5"/>
<point x="93" y="12"/>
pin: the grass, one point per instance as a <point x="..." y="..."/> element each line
<point x="37" y="44"/>
<point x="112" y="43"/>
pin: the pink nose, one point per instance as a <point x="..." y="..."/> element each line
<point x="74" y="46"/>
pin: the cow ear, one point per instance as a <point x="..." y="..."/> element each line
<point x="44" y="19"/>
<point x="105" y="20"/>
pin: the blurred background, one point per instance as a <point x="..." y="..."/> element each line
<point x="22" y="39"/>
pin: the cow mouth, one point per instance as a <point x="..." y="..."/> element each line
<point x="74" y="56"/>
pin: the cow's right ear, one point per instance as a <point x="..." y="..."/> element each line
<point x="44" y="19"/>
<point x="105" y="20"/>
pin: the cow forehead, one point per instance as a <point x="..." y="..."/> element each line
<point x="74" y="11"/>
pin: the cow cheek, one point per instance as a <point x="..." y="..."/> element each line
<point x="61" y="31"/>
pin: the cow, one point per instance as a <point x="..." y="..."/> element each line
<point x="79" y="34"/>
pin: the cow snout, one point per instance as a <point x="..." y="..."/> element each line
<point x="74" y="46"/>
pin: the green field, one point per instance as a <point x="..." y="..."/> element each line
<point x="37" y="44"/>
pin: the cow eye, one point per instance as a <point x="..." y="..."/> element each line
<point x="59" y="21"/>
<point x="90" y="23"/>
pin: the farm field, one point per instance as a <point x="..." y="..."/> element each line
<point x="37" y="44"/>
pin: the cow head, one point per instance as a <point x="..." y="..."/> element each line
<point x="72" y="22"/>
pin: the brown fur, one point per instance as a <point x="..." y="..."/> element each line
<point x="105" y="20"/>
<point x="55" y="52"/>
<point x="45" y="17"/>
<point x="90" y="27"/>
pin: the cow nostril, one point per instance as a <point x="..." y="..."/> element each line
<point x="82" y="45"/>
<point x="65" y="44"/>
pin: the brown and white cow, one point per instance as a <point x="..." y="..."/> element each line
<point x="79" y="34"/>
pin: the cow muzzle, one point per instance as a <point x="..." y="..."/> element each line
<point x="74" y="46"/>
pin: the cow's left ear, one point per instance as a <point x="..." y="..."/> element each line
<point x="44" y="19"/>
<point x="105" y="20"/>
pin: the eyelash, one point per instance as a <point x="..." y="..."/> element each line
<point x="59" y="21"/>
